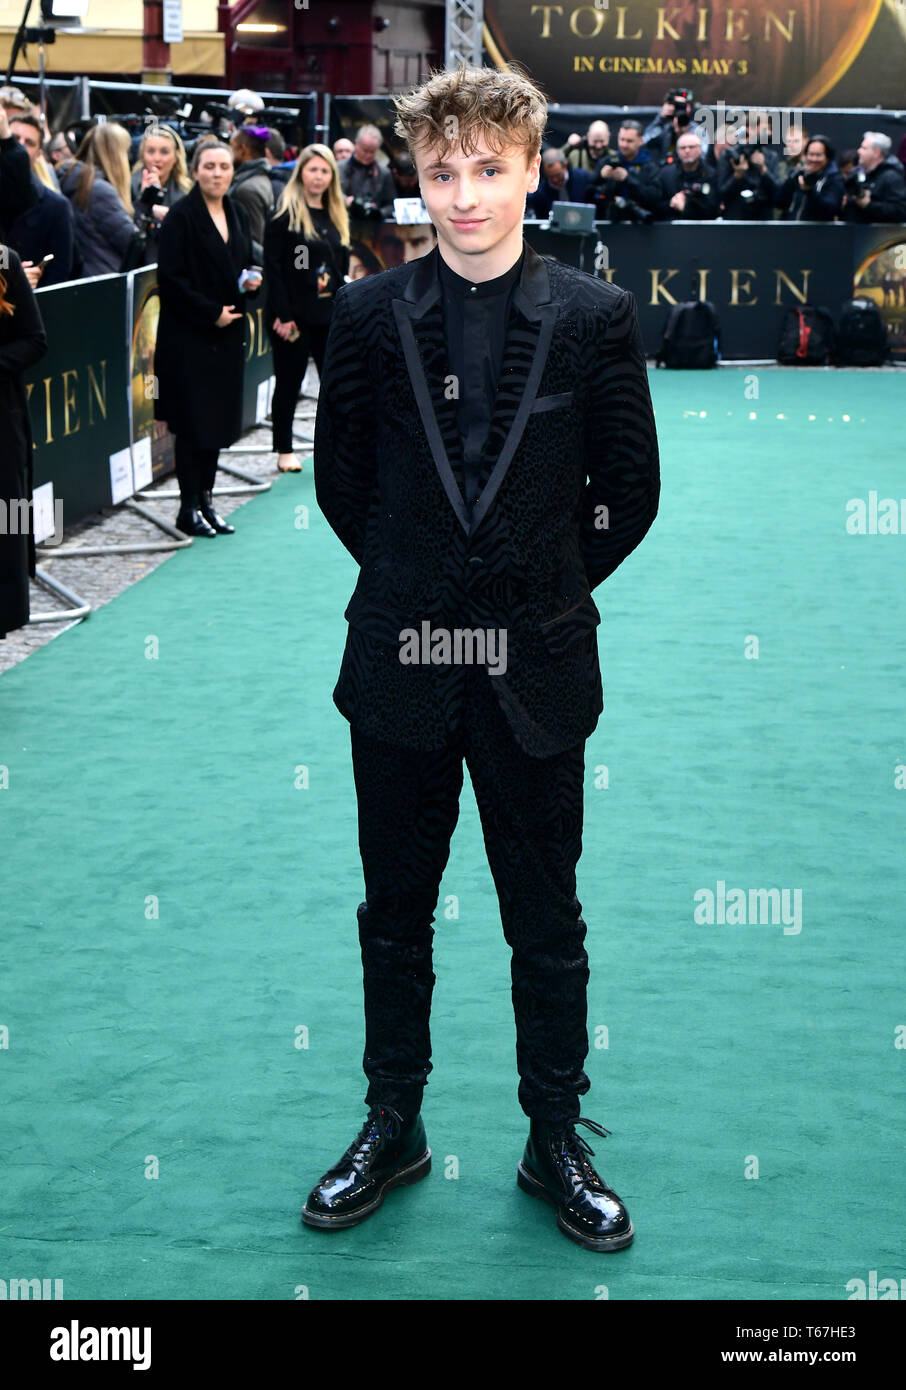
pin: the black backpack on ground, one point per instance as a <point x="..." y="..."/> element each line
<point x="691" y="336"/>
<point x="862" y="335"/>
<point x="806" y="337"/>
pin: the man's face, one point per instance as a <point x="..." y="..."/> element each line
<point x="815" y="158"/>
<point x="688" y="151"/>
<point x="598" y="138"/>
<point x="342" y="149"/>
<point x="869" y="155"/>
<point x="366" y="148"/>
<point x="630" y="142"/>
<point x="27" y="136"/>
<point x="556" y="174"/>
<point x="475" y="202"/>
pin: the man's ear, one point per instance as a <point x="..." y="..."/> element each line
<point x="535" y="172"/>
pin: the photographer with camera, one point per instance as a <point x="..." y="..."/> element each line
<point x="204" y="270"/>
<point x="661" y="137"/>
<point x="367" y="187"/>
<point x="813" y="190"/>
<point x="628" y="188"/>
<point x="590" y="151"/>
<point x="159" y="178"/>
<point x="876" y="189"/>
<point x="689" y="190"/>
<point x="745" y="182"/>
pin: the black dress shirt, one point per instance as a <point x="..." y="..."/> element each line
<point x="475" y="324"/>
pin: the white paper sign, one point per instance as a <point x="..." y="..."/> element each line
<point x="141" y="463"/>
<point x="121" y="485"/>
<point x="172" y="21"/>
<point x="42" y="513"/>
<point x="263" y="399"/>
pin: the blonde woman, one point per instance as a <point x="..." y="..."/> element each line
<point x="306" y="260"/>
<point x="160" y="176"/>
<point x="96" y="182"/>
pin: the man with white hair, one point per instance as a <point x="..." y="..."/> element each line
<point x="688" y="186"/>
<point x="368" y="187"/>
<point x="882" y="197"/>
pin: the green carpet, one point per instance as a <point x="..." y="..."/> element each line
<point x="141" y="1033"/>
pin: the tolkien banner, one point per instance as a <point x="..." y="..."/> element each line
<point x="765" y="52"/>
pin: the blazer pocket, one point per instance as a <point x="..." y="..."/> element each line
<point x="569" y="627"/>
<point x="552" y="402"/>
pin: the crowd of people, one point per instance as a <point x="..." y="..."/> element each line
<point x="669" y="170"/>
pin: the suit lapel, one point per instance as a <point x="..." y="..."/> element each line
<point x="420" y="323"/>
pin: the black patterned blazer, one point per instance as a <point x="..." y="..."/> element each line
<point x="570" y="485"/>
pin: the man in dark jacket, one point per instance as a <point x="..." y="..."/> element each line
<point x="558" y="184"/>
<point x="812" y="191"/>
<point x="689" y="190"/>
<point x="252" y="186"/>
<point x="47" y="227"/>
<point x="661" y="137"/>
<point x="746" y="180"/>
<point x="368" y="187"/>
<point x="629" y="182"/>
<point x="17" y="194"/>
<point x="481" y="520"/>
<point x="883" y="197"/>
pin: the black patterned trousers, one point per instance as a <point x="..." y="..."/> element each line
<point x="531" y="818"/>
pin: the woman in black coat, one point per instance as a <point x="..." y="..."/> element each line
<point x="205" y="250"/>
<point x="306" y="260"/>
<point x="22" y="343"/>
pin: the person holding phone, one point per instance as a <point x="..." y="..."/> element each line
<point x="306" y="260"/>
<point x="204" y="273"/>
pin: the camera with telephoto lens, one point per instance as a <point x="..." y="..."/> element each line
<point x="682" y="105"/>
<point x="625" y="210"/>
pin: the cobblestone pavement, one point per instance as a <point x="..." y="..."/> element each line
<point x="99" y="578"/>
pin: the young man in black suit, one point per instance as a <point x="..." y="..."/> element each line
<point x="485" y="448"/>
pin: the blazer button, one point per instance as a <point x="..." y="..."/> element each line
<point x="475" y="560"/>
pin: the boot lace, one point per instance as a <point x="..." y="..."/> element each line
<point x="576" y="1150"/>
<point x="383" y="1121"/>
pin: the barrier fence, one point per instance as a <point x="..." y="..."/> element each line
<point x="91" y="398"/>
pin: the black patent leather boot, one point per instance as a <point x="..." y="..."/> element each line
<point x="214" y="519"/>
<point x="190" y="520"/>
<point x="388" y="1152"/>
<point x="555" y="1166"/>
